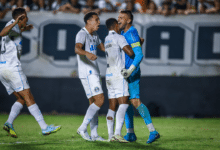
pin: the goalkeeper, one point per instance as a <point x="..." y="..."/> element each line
<point x="132" y="73"/>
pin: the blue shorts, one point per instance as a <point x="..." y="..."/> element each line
<point x="134" y="85"/>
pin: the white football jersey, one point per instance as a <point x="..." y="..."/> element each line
<point x="11" y="47"/>
<point x="114" y="44"/>
<point x="90" y="42"/>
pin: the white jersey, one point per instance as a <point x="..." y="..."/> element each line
<point x="11" y="47"/>
<point x="115" y="55"/>
<point x="90" y="42"/>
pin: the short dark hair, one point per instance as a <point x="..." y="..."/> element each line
<point x="17" y="12"/>
<point x="110" y="23"/>
<point x="88" y="16"/>
<point x="129" y="13"/>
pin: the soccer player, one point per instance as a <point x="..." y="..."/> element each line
<point x="132" y="72"/>
<point x="12" y="76"/>
<point x="116" y="84"/>
<point x="87" y="42"/>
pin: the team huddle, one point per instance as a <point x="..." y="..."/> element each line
<point x="123" y="51"/>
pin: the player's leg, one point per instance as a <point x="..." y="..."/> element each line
<point x="35" y="111"/>
<point x="94" y="125"/>
<point x="93" y="89"/>
<point x="142" y="109"/>
<point x="15" y="111"/>
<point x="6" y="75"/>
<point x="129" y="123"/>
<point x="111" y="116"/>
<point x="120" y="116"/>
<point x="144" y="112"/>
<point x="129" y="116"/>
<point x="90" y="113"/>
<point x="16" y="108"/>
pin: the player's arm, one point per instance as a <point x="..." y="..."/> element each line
<point x="128" y="50"/>
<point x="136" y="47"/>
<point x="80" y="51"/>
<point x="123" y="44"/>
<point x="7" y="29"/>
<point x="101" y="47"/>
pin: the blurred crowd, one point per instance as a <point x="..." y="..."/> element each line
<point x="163" y="7"/>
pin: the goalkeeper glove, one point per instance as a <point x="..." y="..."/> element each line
<point x="127" y="72"/>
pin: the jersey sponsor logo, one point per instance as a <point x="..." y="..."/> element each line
<point x="2" y="62"/>
<point x="133" y="45"/>
<point x="93" y="47"/>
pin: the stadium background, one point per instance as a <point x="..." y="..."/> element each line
<point x="180" y="70"/>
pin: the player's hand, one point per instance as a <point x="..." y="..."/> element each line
<point x="141" y="41"/>
<point x="21" y="17"/>
<point x="29" y="27"/>
<point x="91" y="56"/>
<point x="127" y="72"/>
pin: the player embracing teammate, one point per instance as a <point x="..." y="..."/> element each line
<point x="132" y="74"/>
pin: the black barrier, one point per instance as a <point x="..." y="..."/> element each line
<point x="164" y="96"/>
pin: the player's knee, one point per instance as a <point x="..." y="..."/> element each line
<point x="102" y="101"/>
<point x="21" y="101"/>
<point x="109" y="118"/>
<point x="136" y="102"/>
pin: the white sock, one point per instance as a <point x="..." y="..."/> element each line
<point x="93" y="108"/>
<point x="94" y="125"/>
<point x="35" y="111"/>
<point x="120" y="117"/>
<point x="151" y="127"/>
<point x="15" y="111"/>
<point x="110" y="123"/>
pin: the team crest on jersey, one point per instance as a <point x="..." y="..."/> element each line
<point x="96" y="89"/>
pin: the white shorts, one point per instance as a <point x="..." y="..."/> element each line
<point x="92" y="85"/>
<point x="117" y="87"/>
<point x="13" y="79"/>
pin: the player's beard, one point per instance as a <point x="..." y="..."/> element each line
<point x="122" y="27"/>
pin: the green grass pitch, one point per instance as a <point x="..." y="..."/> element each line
<point x="176" y="134"/>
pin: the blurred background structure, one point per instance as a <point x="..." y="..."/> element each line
<point x="180" y="68"/>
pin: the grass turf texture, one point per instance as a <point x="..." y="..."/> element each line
<point x="176" y="134"/>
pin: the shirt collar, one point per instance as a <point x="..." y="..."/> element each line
<point x="84" y="28"/>
<point x="112" y="31"/>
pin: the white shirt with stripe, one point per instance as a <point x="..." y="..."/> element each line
<point x="90" y="43"/>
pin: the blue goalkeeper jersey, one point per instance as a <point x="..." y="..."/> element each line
<point x="133" y="40"/>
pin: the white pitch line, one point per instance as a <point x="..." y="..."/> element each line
<point x="37" y="141"/>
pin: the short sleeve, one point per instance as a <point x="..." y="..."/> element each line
<point x="15" y="29"/>
<point x="81" y="37"/>
<point x="122" y="41"/>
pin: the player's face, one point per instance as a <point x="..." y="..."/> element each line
<point x="117" y="28"/>
<point x="24" y="20"/>
<point x="94" y="22"/>
<point x="123" y="20"/>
